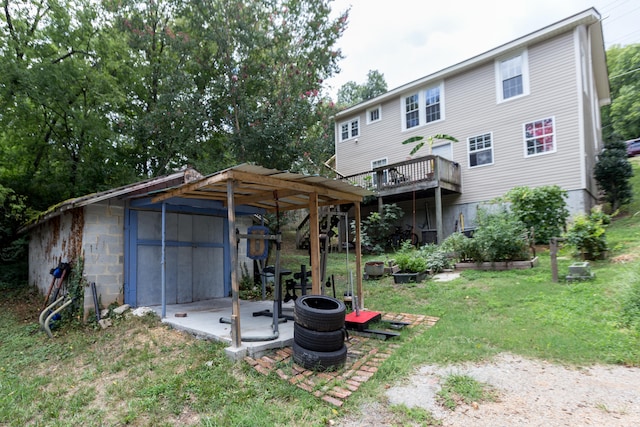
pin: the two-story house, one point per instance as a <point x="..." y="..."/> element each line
<point x="526" y="113"/>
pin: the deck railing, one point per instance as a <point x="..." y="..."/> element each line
<point x="425" y="169"/>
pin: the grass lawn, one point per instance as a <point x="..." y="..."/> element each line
<point x="141" y="373"/>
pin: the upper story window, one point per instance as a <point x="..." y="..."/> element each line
<point x="539" y="137"/>
<point x="432" y="103"/>
<point x="480" y="150"/>
<point x="350" y="129"/>
<point x="422" y="107"/>
<point x="374" y="114"/>
<point x="412" y="111"/>
<point x="512" y="77"/>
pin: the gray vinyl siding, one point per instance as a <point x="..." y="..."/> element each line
<point x="470" y="108"/>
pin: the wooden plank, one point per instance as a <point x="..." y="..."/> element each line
<point x="359" y="292"/>
<point x="314" y="243"/>
<point x="236" y="337"/>
<point x="176" y="192"/>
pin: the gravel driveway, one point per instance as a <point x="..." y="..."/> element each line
<point x="531" y="393"/>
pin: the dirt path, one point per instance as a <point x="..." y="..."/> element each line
<point x="531" y="393"/>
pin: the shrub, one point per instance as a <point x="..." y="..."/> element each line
<point x="459" y="247"/>
<point x="613" y="172"/>
<point x="541" y="208"/>
<point x="500" y="236"/>
<point x="409" y="259"/>
<point x="376" y="229"/>
<point x="436" y="257"/>
<point x="587" y="234"/>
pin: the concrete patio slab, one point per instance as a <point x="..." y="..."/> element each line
<point x="203" y="319"/>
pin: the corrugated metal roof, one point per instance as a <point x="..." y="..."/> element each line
<point x="253" y="185"/>
<point x="260" y="187"/>
<point x="138" y="188"/>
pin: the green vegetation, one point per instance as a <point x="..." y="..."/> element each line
<point x="542" y="209"/>
<point x="409" y="259"/>
<point x="462" y="388"/>
<point x="140" y="373"/>
<point x="587" y="234"/>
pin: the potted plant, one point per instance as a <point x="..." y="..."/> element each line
<point x="374" y="268"/>
<point x="412" y="264"/>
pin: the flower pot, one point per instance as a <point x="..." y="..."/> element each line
<point x="374" y="268"/>
<point x="401" y="277"/>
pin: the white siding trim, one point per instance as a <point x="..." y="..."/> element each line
<point x="580" y="100"/>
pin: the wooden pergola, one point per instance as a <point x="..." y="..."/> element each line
<point x="274" y="190"/>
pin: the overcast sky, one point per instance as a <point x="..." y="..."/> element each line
<point x="409" y="39"/>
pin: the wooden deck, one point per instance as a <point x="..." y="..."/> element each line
<point x="417" y="174"/>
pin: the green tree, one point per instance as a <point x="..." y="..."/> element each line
<point x="613" y="172"/>
<point x="272" y="58"/>
<point x="621" y="119"/>
<point x="163" y="124"/>
<point x="13" y="249"/>
<point x="542" y="208"/>
<point x="55" y="97"/>
<point x="352" y="93"/>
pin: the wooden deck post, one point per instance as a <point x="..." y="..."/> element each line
<point x="314" y="243"/>
<point x="439" y="222"/>
<point x="236" y="337"/>
<point x="359" y="292"/>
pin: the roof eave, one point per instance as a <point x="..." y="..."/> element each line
<point x="589" y="17"/>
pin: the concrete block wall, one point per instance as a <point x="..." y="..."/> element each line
<point x="103" y="250"/>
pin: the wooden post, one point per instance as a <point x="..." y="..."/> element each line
<point x="439" y="224"/>
<point x="236" y="337"/>
<point x="314" y="243"/>
<point x="359" y="292"/>
<point x="553" y="253"/>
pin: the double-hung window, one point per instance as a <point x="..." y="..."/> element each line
<point x="349" y="129"/>
<point x="480" y="150"/>
<point x="422" y="107"/>
<point x="432" y="104"/>
<point x="512" y="77"/>
<point x="373" y="115"/>
<point x="412" y="111"/>
<point x="540" y="137"/>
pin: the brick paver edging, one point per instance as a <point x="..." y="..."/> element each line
<point x="364" y="356"/>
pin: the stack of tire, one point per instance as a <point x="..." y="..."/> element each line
<point x="318" y="333"/>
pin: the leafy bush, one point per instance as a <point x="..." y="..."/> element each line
<point x="613" y="172"/>
<point x="587" y="234"/>
<point x="13" y="248"/>
<point x="459" y="247"/>
<point x="436" y="257"/>
<point x="542" y="208"/>
<point x="409" y="259"/>
<point x="376" y="229"/>
<point x="500" y="236"/>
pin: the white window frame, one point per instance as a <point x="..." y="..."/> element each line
<point x="377" y="108"/>
<point x="376" y="163"/>
<point x="531" y="135"/>
<point x="404" y="111"/>
<point x="478" y="150"/>
<point x="350" y="129"/>
<point x="424" y="101"/>
<point x="422" y="106"/>
<point x="524" y="65"/>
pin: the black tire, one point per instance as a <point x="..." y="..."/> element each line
<point x="319" y="341"/>
<point x="319" y="313"/>
<point x="319" y="360"/>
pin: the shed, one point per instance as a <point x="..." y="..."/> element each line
<point x="172" y="239"/>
